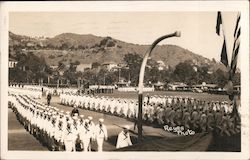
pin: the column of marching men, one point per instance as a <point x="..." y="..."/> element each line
<point x="34" y="92"/>
<point x="57" y="129"/>
<point x="52" y="90"/>
<point x="200" y="116"/>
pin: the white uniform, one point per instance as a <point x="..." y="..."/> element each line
<point x="101" y="134"/>
<point x="123" y="140"/>
<point x="69" y="139"/>
<point x="85" y="135"/>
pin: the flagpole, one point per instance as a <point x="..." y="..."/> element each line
<point x="141" y="78"/>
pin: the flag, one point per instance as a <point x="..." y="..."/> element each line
<point x="219" y="22"/>
<point x="223" y="56"/>
<point x="236" y="47"/>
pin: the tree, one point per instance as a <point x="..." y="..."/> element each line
<point x="76" y="62"/>
<point x="96" y="65"/>
<point x="152" y="75"/>
<point x="133" y="61"/>
<point x="35" y="68"/>
<point x="184" y="72"/>
<point x="220" y="77"/>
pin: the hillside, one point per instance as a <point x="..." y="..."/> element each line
<point x="69" y="47"/>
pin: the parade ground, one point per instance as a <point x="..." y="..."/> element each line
<point x="20" y="139"/>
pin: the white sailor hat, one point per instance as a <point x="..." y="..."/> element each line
<point x="70" y="122"/>
<point x="81" y="115"/>
<point x="75" y="114"/>
<point x="62" y="111"/>
<point x="126" y="127"/>
<point x="67" y="112"/>
<point x="90" y="118"/>
<point x="101" y="120"/>
<point x="86" y="120"/>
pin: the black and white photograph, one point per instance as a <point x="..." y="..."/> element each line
<point x="109" y="81"/>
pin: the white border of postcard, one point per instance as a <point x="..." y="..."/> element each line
<point x="116" y="6"/>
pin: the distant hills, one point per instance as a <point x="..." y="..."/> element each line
<point x="70" y="47"/>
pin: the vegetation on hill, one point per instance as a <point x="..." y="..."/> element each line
<point x="70" y="49"/>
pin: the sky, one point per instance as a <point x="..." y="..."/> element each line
<point x="197" y="28"/>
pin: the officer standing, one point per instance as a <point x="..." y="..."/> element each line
<point x="101" y="134"/>
<point x="48" y="99"/>
<point x="123" y="139"/>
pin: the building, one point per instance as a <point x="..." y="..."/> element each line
<point x="205" y="87"/>
<point x="83" y="67"/>
<point x="159" y="86"/>
<point x="161" y="65"/>
<point x="53" y="67"/>
<point x="178" y="86"/>
<point x="195" y="68"/>
<point x="109" y="65"/>
<point x="12" y="63"/>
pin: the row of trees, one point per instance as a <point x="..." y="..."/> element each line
<point x="31" y="68"/>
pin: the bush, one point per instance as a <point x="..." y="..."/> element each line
<point x="51" y="57"/>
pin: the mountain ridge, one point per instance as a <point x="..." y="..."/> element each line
<point x="88" y="48"/>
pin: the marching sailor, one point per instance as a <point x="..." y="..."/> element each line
<point x="101" y="134"/>
<point x="92" y="131"/>
<point x="85" y="135"/>
<point x="69" y="138"/>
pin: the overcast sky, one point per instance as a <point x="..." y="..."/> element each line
<point x="197" y="28"/>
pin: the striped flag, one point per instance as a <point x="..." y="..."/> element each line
<point x="236" y="47"/>
<point x="223" y="55"/>
<point x="219" y="22"/>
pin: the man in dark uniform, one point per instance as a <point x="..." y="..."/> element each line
<point x="195" y="120"/>
<point x="171" y="117"/>
<point x="218" y="118"/>
<point x="48" y="99"/>
<point x="210" y="121"/>
<point x="178" y="116"/>
<point x="186" y="118"/>
<point x="75" y="110"/>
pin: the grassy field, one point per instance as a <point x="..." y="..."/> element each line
<point x="201" y="96"/>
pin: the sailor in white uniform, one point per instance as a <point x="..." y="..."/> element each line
<point x="101" y="134"/>
<point x="69" y="138"/>
<point x="123" y="139"/>
<point x="92" y="131"/>
<point x="85" y="135"/>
